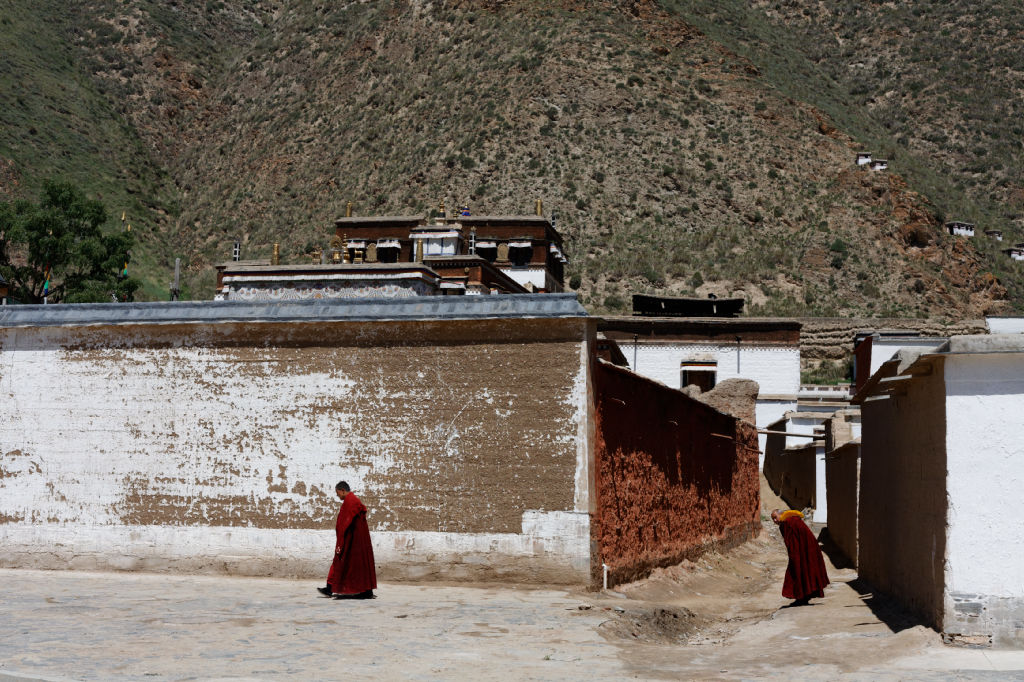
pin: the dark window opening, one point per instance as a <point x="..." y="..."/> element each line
<point x="520" y="255"/>
<point x="699" y="374"/>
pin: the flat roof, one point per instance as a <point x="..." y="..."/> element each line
<point x="321" y="310"/>
<point x="496" y="219"/>
<point x="381" y="220"/>
<point x="233" y="266"/>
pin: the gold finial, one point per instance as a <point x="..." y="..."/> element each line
<point x="318" y="254"/>
<point x="540" y="207"/>
<point x="276" y="258"/>
<point x="348" y="210"/>
<point x="344" y="248"/>
<point x="440" y="209"/>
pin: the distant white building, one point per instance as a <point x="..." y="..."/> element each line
<point x="941" y="474"/>
<point x="995" y="234"/>
<point x="1016" y="252"/>
<point x="863" y="158"/>
<point x="878" y="164"/>
<point x="1005" y="325"/>
<point x="958" y="228"/>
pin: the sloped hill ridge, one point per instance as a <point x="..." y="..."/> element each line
<point x="673" y="163"/>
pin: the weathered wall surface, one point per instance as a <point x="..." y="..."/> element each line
<point x="842" y="476"/>
<point x="985" y="459"/>
<point x="902" y="524"/>
<point x="792" y="474"/>
<point x="674" y="476"/>
<point x="217" y="446"/>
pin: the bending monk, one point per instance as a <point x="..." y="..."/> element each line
<point x="352" y="574"/>
<point x="805" y="574"/>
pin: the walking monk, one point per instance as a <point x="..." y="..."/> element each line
<point x="805" y="574"/>
<point x="352" y="574"/>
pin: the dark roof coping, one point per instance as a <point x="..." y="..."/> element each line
<point x="323" y="310"/>
<point x="631" y="322"/>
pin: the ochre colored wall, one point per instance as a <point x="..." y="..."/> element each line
<point x="674" y="477"/>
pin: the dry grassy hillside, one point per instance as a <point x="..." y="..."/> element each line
<point x="674" y="164"/>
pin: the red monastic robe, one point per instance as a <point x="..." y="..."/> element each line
<point x="805" y="576"/>
<point x="353" y="570"/>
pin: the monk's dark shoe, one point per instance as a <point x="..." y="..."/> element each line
<point x="358" y="595"/>
<point x="326" y="591"/>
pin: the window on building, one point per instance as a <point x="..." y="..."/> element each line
<point x="520" y="253"/>
<point x="487" y="249"/>
<point x="698" y="373"/>
<point x="388" y="250"/>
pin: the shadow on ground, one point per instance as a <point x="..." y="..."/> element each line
<point x="895" y="616"/>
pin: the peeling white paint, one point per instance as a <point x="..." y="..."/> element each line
<point x="247" y="442"/>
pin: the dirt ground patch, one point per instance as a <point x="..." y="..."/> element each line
<point x="660" y="625"/>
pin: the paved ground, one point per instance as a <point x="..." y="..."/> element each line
<point x="717" y="619"/>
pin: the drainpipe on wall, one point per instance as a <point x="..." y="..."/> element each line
<point x="737" y="355"/>
<point x="635" y="337"/>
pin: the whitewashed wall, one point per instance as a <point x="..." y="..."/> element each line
<point x="1005" y="325"/>
<point x="215" y="447"/>
<point x="776" y="369"/>
<point x="883" y="350"/>
<point x="984" y="585"/>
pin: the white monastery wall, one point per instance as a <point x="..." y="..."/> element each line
<point x="216" y="447"/>
<point x="985" y="458"/>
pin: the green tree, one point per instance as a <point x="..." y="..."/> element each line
<point x="61" y="238"/>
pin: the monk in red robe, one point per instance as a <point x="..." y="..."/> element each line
<point x="805" y="574"/>
<point x="352" y="574"/>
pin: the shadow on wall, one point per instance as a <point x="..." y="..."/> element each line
<point x="835" y="553"/>
<point x="675" y="477"/>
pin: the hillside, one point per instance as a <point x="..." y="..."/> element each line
<point x="683" y="152"/>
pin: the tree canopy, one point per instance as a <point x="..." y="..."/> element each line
<point x="61" y="239"/>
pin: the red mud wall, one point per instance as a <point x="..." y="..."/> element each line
<point x="674" y="476"/>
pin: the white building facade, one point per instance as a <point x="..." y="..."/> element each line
<point x="942" y="467"/>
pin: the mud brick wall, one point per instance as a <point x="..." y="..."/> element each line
<point x="674" y="477"/>
<point x="216" y="447"/>
<point x="792" y="475"/>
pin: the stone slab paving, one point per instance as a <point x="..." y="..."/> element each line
<point x="62" y="625"/>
